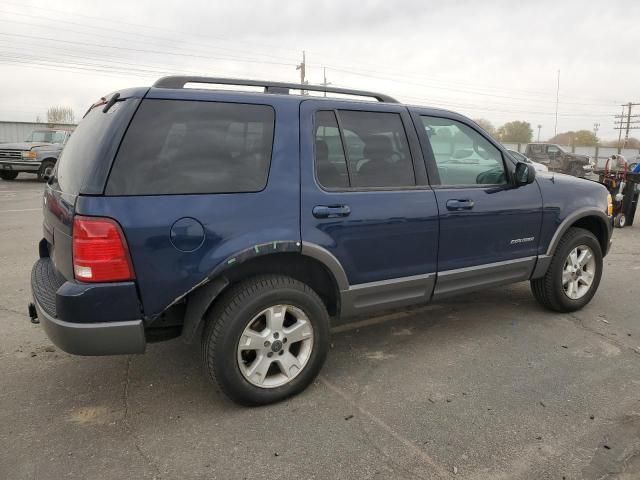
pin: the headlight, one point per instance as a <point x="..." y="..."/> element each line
<point x="30" y="155"/>
<point x="609" y="205"/>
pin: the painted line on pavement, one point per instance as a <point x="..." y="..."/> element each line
<point x="22" y="210"/>
<point x="439" y="470"/>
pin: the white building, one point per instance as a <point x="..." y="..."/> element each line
<point x="19" y="131"/>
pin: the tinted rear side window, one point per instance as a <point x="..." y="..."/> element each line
<point x="183" y="147"/>
<point x="80" y="160"/>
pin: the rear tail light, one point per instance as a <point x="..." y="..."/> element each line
<point x="100" y="252"/>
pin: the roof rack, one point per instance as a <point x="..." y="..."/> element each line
<point x="269" y="87"/>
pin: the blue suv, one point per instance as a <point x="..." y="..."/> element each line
<point x="246" y="221"/>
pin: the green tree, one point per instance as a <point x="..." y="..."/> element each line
<point x="585" y="138"/>
<point x="486" y="125"/>
<point x="581" y="138"/>
<point x="515" y="132"/>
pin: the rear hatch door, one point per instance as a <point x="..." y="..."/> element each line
<point x="82" y="169"/>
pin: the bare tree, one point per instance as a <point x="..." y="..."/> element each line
<point x="60" y="115"/>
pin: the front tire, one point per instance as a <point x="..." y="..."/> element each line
<point x="574" y="274"/>
<point x="46" y="169"/>
<point x="576" y="170"/>
<point x="620" y="220"/>
<point x="266" y="339"/>
<point x="8" y="175"/>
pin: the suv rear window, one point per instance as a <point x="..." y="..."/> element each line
<point x="183" y="147"/>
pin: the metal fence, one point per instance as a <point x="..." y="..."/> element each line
<point x="19" y="131"/>
<point x="598" y="153"/>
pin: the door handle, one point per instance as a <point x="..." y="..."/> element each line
<point x="465" y="204"/>
<point x="331" y="211"/>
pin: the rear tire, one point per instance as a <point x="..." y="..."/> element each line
<point x="245" y="360"/>
<point x="45" y="170"/>
<point x="8" y="175"/>
<point x="554" y="290"/>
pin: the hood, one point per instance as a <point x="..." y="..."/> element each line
<point x="567" y="189"/>
<point x="562" y="180"/>
<point x="579" y="157"/>
<point x="23" y="145"/>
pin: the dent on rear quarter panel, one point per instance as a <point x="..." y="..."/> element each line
<point x="233" y="223"/>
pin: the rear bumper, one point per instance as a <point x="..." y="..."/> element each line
<point x="87" y="319"/>
<point x="19" y="166"/>
<point x="104" y="338"/>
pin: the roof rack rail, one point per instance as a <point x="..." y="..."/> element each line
<point x="269" y="87"/>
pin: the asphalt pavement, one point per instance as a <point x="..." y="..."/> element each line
<point x="485" y="386"/>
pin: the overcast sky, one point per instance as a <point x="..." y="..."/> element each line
<point x="493" y="59"/>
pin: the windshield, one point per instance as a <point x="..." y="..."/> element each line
<point x="47" y="136"/>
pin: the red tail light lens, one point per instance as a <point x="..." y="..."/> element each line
<point x="100" y="252"/>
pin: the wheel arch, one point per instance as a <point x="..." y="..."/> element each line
<point x="590" y="219"/>
<point x="301" y="265"/>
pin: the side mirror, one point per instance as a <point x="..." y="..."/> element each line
<point x="525" y="173"/>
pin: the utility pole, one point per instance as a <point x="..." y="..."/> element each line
<point x="620" y="130"/>
<point x="539" y="127"/>
<point x="303" y="70"/>
<point x="626" y="122"/>
<point x="555" y="128"/>
<point x="325" y="83"/>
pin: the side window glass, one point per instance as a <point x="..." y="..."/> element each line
<point x="331" y="164"/>
<point x="191" y="147"/>
<point x="552" y="149"/>
<point x="377" y="149"/>
<point x="463" y="156"/>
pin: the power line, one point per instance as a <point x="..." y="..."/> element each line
<point x="141" y="50"/>
<point x="625" y="122"/>
<point x="458" y="90"/>
<point x="67" y="13"/>
<point x="93" y="34"/>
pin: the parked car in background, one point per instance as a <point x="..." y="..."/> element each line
<point x="38" y="154"/>
<point x="247" y="222"/>
<point x="522" y="158"/>
<point x="559" y="160"/>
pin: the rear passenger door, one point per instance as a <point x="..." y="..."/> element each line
<point x="366" y="203"/>
<point x="489" y="228"/>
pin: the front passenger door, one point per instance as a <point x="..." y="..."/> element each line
<point x="555" y="157"/>
<point x="489" y="228"/>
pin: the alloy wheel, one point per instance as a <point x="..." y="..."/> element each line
<point x="578" y="272"/>
<point x="275" y="346"/>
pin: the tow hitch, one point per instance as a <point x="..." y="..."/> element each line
<point x="33" y="314"/>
